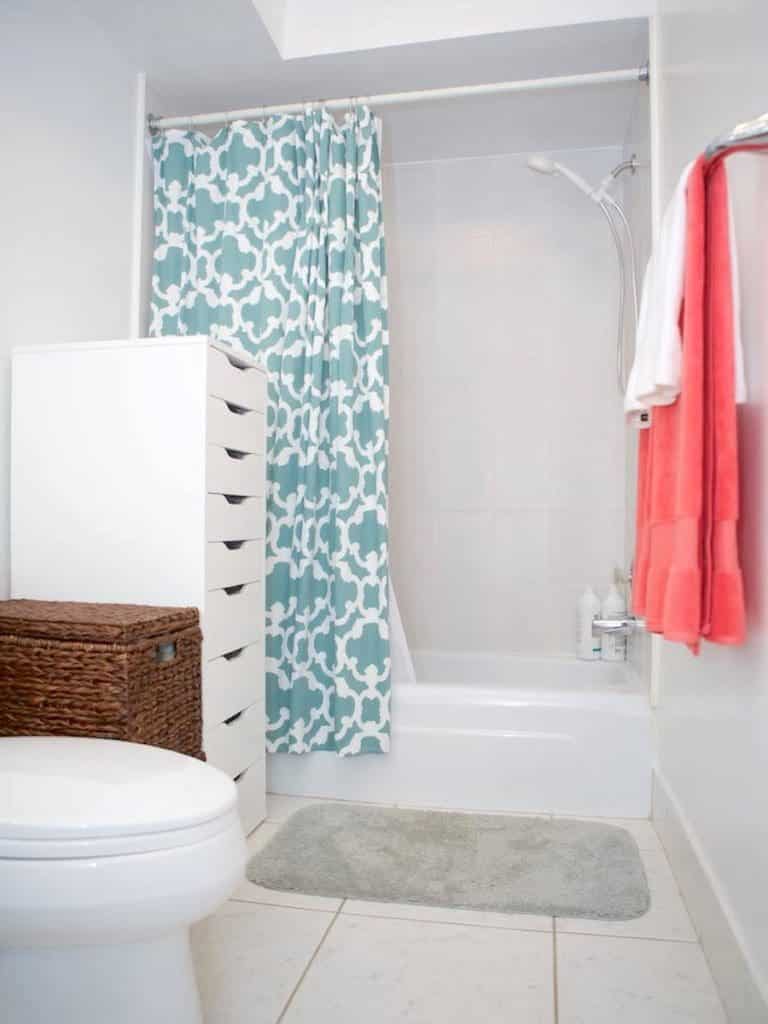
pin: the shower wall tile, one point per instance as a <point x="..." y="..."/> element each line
<point x="584" y="546"/>
<point x="508" y="449"/>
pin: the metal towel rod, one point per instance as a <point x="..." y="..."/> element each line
<point x="754" y="131"/>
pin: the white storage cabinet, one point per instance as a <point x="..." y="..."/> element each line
<point x="138" y="475"/>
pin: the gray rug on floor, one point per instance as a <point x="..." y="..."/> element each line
<point x="511" y="865"/>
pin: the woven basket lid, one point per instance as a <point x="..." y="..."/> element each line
<point x="89" y="622"/>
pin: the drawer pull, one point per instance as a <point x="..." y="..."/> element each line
<point x="235" y="499"/>
<point x="231" y="655"/>
<point x="233" y="453"/>
<point x="233" y="718"/>
<point x="234" y="589"/>
<point x="234" y="361"/>
<point x="233" y="545"/>
<point x="238" y="410"/>
<point x="165" y="652"/>
<point x="238" y="777"/>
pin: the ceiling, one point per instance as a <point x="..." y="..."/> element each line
<point x="202" y="57"/>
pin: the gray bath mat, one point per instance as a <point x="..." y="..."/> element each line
<point x="511" y="865"/>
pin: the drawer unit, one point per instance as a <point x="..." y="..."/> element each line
<point x="229" y="563"/>
<point x="233" y="427"/>
<point x="232" y="377"/>
<point x="233" y="618"/>
<point x="251" y="796"/>
<point x="231" y="472"/>
<point x="233" y="744"/>
<point x="234" y="517"/>
<point x="233" y="681"/>
<point x="184" y="419"/>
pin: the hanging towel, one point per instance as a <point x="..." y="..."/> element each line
<point x="688" y="582"/>
<point x="656" y="370"/>
<point x="723" y="615"/>
<point x="655" y="375"/>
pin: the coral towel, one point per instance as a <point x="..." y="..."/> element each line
<point x="688" y="582"/>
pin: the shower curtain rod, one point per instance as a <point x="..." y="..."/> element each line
<point x="391" y="99"/>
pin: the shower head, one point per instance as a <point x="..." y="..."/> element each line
<point x="542" y="164"/>
<point x="546" y="165"/>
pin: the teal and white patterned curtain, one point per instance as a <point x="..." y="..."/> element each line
<point x="270" y="235"/>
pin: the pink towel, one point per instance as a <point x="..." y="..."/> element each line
<point x="688" y="581"/>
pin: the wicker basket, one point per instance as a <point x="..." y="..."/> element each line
<point x="114" y="671"/>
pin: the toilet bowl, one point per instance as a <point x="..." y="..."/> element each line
<point x="109" y="851"/>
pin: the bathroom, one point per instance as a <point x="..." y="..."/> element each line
<point x="511" y="487"/>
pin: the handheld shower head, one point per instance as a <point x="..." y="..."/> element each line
<point x="546" y="165"/>
<point x="607" y="205"/>
<point x="542" y="164"/>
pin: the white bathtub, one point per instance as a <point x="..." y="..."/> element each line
<point x="501" y="733"/>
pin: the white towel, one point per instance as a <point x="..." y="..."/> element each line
<point x="655" y="375"/>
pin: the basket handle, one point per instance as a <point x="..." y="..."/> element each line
<point x="165" y="652"/>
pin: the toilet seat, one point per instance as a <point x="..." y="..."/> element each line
<point x="66" y="797"/>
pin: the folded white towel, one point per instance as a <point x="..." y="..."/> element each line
<point x="655" y="375"/>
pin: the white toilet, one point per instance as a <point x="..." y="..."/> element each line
<point x="109" y="851"/>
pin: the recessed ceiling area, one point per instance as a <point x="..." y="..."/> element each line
<point x="203" y="58"/>
<point x="305" y="28"/>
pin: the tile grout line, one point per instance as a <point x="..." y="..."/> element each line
<point x="387" y="917"/>
<point x="283" y="906"/>
<point x="453" y="924"/>
<point x="312" y="959"/>
<point x="555" y="996"/>
<point x="632" y="938"/>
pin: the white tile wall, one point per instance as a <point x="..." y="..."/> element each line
<point x="508" y="449"/>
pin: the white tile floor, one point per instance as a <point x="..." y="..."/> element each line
<point x="269" y="958"/>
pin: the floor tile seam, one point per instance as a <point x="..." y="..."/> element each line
<point x="307" y="966"/>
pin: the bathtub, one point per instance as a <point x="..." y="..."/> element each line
<point x="499" y="733"/>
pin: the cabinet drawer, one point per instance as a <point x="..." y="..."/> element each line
<point x="234" y="520"/>
<point x="227" y="566"/>
<point x="237" y="743"/>
<point x="231" y="378"/>
<point x="233" y="682"/>
<point x="241" y="429"/>
<point x="230" y="472"/>
<point x="232" y="619"/>
<point x="252" y="794"/>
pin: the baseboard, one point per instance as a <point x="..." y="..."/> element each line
<point x="744" y="994"/>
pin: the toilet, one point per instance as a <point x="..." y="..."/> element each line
<point x="109" y="852"/>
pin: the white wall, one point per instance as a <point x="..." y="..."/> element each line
<point x="713" y="717"/>
<point x="66" y="190"/>
<point x="303" y="28"/>
<point x="637" y="204"/>
<point x="507" y="470"/>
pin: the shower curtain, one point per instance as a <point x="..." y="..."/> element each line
<point x="269" y="236"/>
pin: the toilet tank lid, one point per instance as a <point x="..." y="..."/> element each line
<point x="61" y="787"/>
